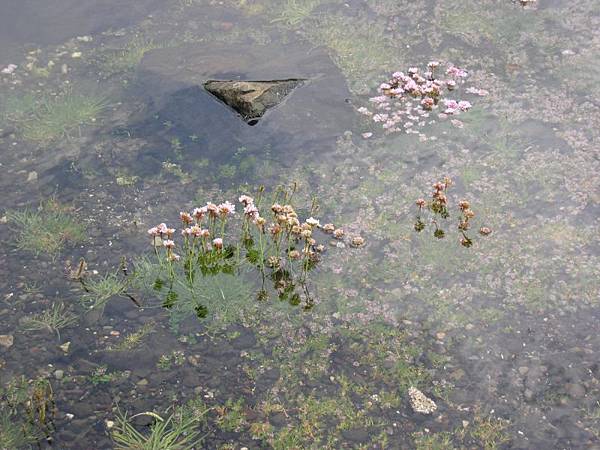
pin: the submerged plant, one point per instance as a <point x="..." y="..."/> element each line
<point x="46" y="230"/>
<point x="438" y="207"/>
<point x="395" y="107"/>
<point x="57" y="317"/>
<point x="113" y="62"/>
<point x="26" y="412"/>
<point x="295" y="11"/>
<point x="57" y="117"/>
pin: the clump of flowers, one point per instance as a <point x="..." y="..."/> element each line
<point x="273" y="239"/>
<point x="438" y="208"/>
<point x="408" y="101"/>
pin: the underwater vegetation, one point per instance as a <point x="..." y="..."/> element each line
<point x="113" y="62"/>
<point x="45" y="230"/>
<point x="395" y="104"/>
<point x="60" y="116"/>
<point x="53" y="319"/>
<point x="438" y="206"/>
<point x="26" y="413"/>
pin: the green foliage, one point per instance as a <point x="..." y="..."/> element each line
<point x="53" y="319"/>
<point x="176" y="432"/>
<point x="14" y="108"/>
<point x="57" y="117"/>
<point x="133" y="340"/>
<point x="98" y="291"/>
<point x="293" y="12"/>
<point x="26" y="412"/>
<point x="46" y="230"/>
<point x="113" y="62"/>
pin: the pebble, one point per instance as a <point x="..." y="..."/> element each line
<point x="65" y="347"/>
<point x="6" y="340"/>
<point x="142" y="382"/>
<point x="59" y="374"/>
<point x="523" y="370"/>
<point x="32" y="176"/>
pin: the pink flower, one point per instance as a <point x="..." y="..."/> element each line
<point x="167" y="243"/>
<point x="450" y="84"/>
<point x="153" y="231"/>
<point x="363" y="110"/>
<point x="218" y="243"/>
<point x="162" y="228"/>
<point x="212" y="209"/>
<point x="199" y="213"/>
<point x="456" y="72"/>
<point x="246" y="200"/>
<point x="226" y="209"/>
<point x="464" y="105"/>
<point x="186" y="218"/>
<point x="251" y="211"/>
<point x="8" y="70"/>
<point x="174" y="257"/>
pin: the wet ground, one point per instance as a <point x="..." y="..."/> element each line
<point x="106" y="130"/>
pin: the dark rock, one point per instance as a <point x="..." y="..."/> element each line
<point x="251" y="99"/>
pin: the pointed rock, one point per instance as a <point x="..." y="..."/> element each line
<point x="251" y="99"/>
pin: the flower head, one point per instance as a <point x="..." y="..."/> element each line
<point x="246" y="200"/>
<point x="226" y="209"/>
<point x="167" y="243"/>
<point x="199" y="213"/>
<point x="338" y="233"/>
<point x="186" y="218"/>
<point x="485" y="231"/>
<point x="218" y="243"/>
<point x="212" y="209"/>
<point x="313" y="222"/>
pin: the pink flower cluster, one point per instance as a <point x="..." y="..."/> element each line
<point x="406" y="101"/>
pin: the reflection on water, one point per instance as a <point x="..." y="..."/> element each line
<point x="410" y="341"/>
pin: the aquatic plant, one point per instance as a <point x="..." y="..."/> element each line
<point x="176" y="432"/>
<point x="395" y="103"/>
<point x="55" y="318"/>
<point x="134" y="339"/>
<point x="98" y="291"/>
<point x="26" y="412"/>
<point x="46" y="230"/>
<point x="282" y="248"/>
<point x="113" y="62"/>
<point x="293" y="12"/>
<point x="438" y="206"/>
<point x="57" y="117"/>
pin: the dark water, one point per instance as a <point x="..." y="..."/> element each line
<point x="104" y="123"/>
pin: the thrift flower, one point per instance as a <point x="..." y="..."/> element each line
<point x="218" y="243"/>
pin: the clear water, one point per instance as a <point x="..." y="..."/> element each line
<point x="503" y="335"/>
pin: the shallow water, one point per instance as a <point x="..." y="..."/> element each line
<point x="502" y="336"/>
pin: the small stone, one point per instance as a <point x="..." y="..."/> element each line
<point x="465" y="423"/>
<point x="3" y="220"/>
<point x="440" y="336"/>
<point x="523" y="370"/>
<point x="32" y="176"/>
<point x="109" y="424"/>
<point x="76" y="55"/>
<point x="65" y="347"/>
<point x="469" y="326"/>
<point x="142" y="382"/>
<point x="6" y="340"/>
<point x="59" y="374"/>
<point x="420" y="402"/>
<point x="69" y="416"/>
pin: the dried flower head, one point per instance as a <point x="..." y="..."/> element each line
<point x="328" y="228"/>
<point x="294" y="254"/>
<point x="464" y="205"/>
<point x="357" y="241"/>
<point x="199" y="213"/>
<point x="338" y="233"/>
<point x="277" y="208"/>
<point x="421" y="202"/>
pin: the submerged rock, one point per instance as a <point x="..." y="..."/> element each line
<point x="251" y="99"/>
<point x="6" y="340"/>
<point x="420" y="402"/>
